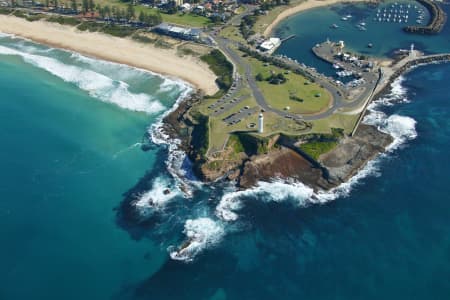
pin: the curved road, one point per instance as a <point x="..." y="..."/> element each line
<point x="337" y="100"/>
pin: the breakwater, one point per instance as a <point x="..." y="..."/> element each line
<point x="429" y="59"/>
<point x="437" y="22"/>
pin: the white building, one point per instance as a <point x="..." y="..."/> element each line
<point x="261" y="123"/>
<point x="270" y="44"/>
<point x="186" y="7"/>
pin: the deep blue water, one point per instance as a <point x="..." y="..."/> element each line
<point x="71" y="165"/>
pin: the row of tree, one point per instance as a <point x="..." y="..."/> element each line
<point x="86" y="5"/>
<point x="111" y="12"/>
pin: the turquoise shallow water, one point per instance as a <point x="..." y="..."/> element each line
<point x="66" y="160"/>
<point x="75" y="183"/>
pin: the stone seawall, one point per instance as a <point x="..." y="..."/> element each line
<point x="437" y="22"/>
<point x="439" y="58"/>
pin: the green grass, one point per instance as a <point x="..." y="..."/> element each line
<point x="37" y="17"/>
<point x="178" y="18"/>
<point x="317" y="148"/>
<point x="235" y="143"/>
<point x="5" y="11"/>
<point x="297" y="93"/>
<point x="90" y="26"/>
<point x="232" y="33"/>
<point x="63" y="20"/>
<point x="346" y="122"/>
<point x="186" y="20"/>
<point x="200" y="135"/>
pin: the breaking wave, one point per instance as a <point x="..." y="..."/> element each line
<point x="276" y="191"/>
<point x="401" y="128"/>
<point x="177" y="159"/>
<point x="97" y="85"/>
<point x="157" y="198"/>
<point x="201" y="234"/>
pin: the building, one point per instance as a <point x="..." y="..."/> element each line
<point x="261" y="123"/>
<point x="186" y="7"/>
<point x="178" y="32"/>
<point x="270" y="45"/>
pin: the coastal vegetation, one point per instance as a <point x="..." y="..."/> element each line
<point x="200" y="136"/>
<point x="316" y="148"/>
<point x="220" y="132"/>
<point x="220" y="65"/>
<point x="315" y="145"/>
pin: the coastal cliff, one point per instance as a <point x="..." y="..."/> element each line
<point x="248" y="159"/>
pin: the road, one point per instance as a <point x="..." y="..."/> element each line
<point x="338" y="99"/>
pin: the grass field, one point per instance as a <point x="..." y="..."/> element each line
<point x="232" y="33"/>
<point x="346" y="122"/>
<point x="178" y="18"/>
<point x="300" y="95"/>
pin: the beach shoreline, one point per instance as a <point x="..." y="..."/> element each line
<point x="306" y="5"/>
<point x="165" y="62"/>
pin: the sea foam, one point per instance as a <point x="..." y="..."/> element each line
<point x="97" y="85"/>
<point x="401" y="128"/>
<point x="155" y="199"/>
<point x="201" y="233"/>
<point x="176" y="157"/>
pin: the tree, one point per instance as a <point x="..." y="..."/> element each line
<point x="102" y="12"/>
<point x="74" y="5"/>
<point x="142" y="17"/>
<point x="131" y="14"/>
<point x="85" y="6"/>
<point x="91" y="5"/>
<point x="47" y="3"/>
<point x="55" y="3"/>
<point x="108" y="11"/>
<point x="259" y="77"/>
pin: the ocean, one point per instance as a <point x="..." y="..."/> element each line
<point x="82" y="157"/>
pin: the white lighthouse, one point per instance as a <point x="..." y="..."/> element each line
<point x="411" y="51"/>
<point x="261" y="123"/>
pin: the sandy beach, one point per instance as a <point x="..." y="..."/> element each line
<point x="308" y="4"/>
<point x="121" y="50"/>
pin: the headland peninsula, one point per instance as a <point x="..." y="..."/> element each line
<point x="255" y="115"/>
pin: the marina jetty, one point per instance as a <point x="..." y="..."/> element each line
<point x="437" y="21"/>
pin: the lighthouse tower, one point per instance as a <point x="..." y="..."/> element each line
<point x="261" y="123"/>
<point x="411" y="51"/>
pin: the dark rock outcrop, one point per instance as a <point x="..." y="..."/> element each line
<point x="353" y="153"/>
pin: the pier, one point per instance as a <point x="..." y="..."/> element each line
<point x="389" y="74"/>
<point x="288" y="38"/>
